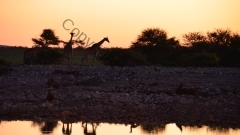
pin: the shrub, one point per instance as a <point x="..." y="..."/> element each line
<point x="3" y="62"/>
<point x="48" y="56"/>
<point x="121" y="57"/>
<point x="203" y="59"/>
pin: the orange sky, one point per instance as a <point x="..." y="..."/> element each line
<point x="120" y="20"/>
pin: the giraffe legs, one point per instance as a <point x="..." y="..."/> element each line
<point x="87" y="53"/>
<point x="95" y="57"/>
<point x="85" y="58"/>
<point x="71" y="57"/>
<point x="67" y="56"/>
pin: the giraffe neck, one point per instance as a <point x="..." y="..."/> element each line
<point x="100" y="42"/>
<point x="70" y="41"/>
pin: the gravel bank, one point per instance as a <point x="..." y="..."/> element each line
<point x="122" y="95"/>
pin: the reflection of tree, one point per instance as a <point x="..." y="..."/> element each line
<point x="218" y="129"/>
<point x="36" y="124"/>
<point x="213" y="129"/>
<point x="46" y="127"/>
<point x="155" y="129"/>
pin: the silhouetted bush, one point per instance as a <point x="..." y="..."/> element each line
<point x="121" y="57"/>
<point x="4" y="62"/>
<point x="48" y="56"/>
<point x="220" y="47"/>
<point x="203" y="59"/>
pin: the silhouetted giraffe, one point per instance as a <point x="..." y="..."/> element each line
<point x="93" y="50"/>
<point x="68" y="49"/>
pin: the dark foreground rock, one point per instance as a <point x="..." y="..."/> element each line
<point x="122" y="95"/>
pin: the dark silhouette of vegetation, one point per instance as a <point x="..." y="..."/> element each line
<point x="155" y="45"/>
<point x="48" y="127"/>
<point x="4" y="62"/>
<point x="41" y="53"/>
<point x="45" y="127"/>
<point x="154" y="129"/>
<point x="47" y="38"/>
<point x="49" y="56"/>
<point x="121" y="57"/>
<point x="220" y="47"/>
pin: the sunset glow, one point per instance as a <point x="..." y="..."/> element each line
<point x="120" y="20"/>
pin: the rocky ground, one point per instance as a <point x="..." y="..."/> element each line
<point x="122" y="95"/>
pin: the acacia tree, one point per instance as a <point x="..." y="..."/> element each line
<point x="155" y="45"/>
<point x="150" y="37"/>
<point x="235" y="42"/>
<point x="221" y="43"/>
<point x="193" y="38"/>
<point x="196" y="41"/>
<point x="220" y="37"/>
<point x="154" y="37"/>
<point x="47" y="38"/>
<point x="42" y="53"/>
<point x="226" y="44"/>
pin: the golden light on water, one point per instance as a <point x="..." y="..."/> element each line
<point x="120" y="20"/>
<point x="27" y="127"/>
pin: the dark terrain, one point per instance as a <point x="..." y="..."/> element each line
<point x="208" y="96"/>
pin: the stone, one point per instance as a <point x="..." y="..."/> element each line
<point x="47" y="105"/>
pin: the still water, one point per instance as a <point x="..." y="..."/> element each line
<point x="58" y="128"/>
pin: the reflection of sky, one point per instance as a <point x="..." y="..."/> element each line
<point x="27" y="127"/>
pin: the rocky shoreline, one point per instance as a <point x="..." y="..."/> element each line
<point x="122" y="95"/>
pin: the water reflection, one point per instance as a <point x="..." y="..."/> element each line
<point x="45" y="127"/>
<point x="154" y="129"/>
<point x="93" y="128"/>
<point x="89" y="132"/>
<point x="68" y="129"/>
<point x="179" y="126"/>
<point x="218" y="129"/>
<point x="134" y="125"/>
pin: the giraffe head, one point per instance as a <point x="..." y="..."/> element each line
<point x="72" y="33"/>
<point x="106" y="39"/>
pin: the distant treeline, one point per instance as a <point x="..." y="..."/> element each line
<point x="220" y="47"/>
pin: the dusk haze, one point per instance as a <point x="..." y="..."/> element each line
<point x="121" y="20"/>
